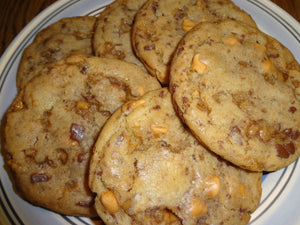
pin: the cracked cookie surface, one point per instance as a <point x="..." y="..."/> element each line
<point x="237" y="89"/>
<point x="52" y="124"/>
<point x="147" y="168"/>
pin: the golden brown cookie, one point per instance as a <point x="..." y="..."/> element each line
<point x="238" y="90"/>
<point x="147" y="168"/>
<point x="64" y="38"/>
<point x="112" y="38"/>
<point x="52" y="124"/>
<point x="159" y="26"/>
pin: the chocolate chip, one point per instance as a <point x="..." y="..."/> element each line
<point x="281" y="151"/>
<point x="284" y="150"/>
<point x="290" y="147"/>
<point x="77" y="132"/>
<point x="292" y="109"/>
<point x="39" y="177"/>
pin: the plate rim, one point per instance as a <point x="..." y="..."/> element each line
<point x="12" y="51"/>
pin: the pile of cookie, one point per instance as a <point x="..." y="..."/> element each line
<point x="153" y="112"/>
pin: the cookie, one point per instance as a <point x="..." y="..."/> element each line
<point x="52" y="124"/>
<point x="159" y="26"/>
<point x="112" y="38"/>
<point x="147" y="168"/>
<point x="238" y="90"/>
<point x="64" y="38"/>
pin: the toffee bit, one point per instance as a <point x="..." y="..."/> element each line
<point x="173" y="87"/>
<point x="274" y="56"/>
<point x="185" y="100"/>
<point x="80" y="157"/>
<point x="181" y="13"/>
<point x="84" y="69"/>
<point x="295" y="134"/>
<point x="157" y="107"/>
<point x="162" y="94"/>
<point x="62" y="155"/>
<point x="179" y="50"/>
<point x="154" y="6"/>
<point x="71" y="184"/>
<point x="149" y="47"/>
<point x="17" y="105"/>
<point x="287" y="131"/>
<point x="235" y="129"/>
<point x="99" y="173"/>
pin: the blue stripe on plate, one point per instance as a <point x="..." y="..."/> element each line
<point x="82" y="221"/>
<point x="69" y="220"/>
<point x="12" y="210"/>
<point x="95" y="12"/>
<point x="279" y="192"/>
<point x="292" y="30"/>
<point x="273" y="189"/>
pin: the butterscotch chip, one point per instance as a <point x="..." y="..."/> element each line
<point x="198" y="65"/>
<point x="64" y="38"/>
<point x="213" y="186"/>
<point x="48" y="145"/>
<point x="231" y="41"/>
<point x="198" y="208"/>
<point x="188" y="24"/>
<point x="244" y="106"/>
<point x="109" y="201"/>
<point x="160" y="174"/>
<point x="159" y="26"/>
<point x="113" y="30"/>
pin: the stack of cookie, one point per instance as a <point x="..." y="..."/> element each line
<point x="154" y="112"/>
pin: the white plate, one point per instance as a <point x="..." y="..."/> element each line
<point x="281" y="195"/>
